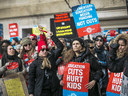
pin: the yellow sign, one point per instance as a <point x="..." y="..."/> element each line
<point x="36" y="31"/>
<point x="14" y="87"/>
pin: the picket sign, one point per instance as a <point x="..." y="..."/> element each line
<point x="76" y="76"/>
<point x="114" y="85"/>
<point x="13" y="30"/>
<point x="86" y="19"/>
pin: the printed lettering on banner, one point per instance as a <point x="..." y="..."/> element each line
<point x="13" y="30"/>
<point x="114" y="85"/>
<point x="86" y="19"/>
<point x="76" y="76"/>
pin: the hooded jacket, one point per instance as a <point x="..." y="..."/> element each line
<point x="119" y="63"/>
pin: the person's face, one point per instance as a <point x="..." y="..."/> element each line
<point x="43" y="52"/>
<point x="28" y="47"/>
<point x="10" y="50"/>
<point x="62" y="41"/>
<point x="99" y="42"/>
<point x="13" y="42"/>
<point x="76" y="46"/>
<point x="18" y="50"/>
<point x="91" y="47"/>
<point x="4" y="45"/>
<point x="122" y="46"/>
<point x="33" y="41"/>
<point x="105" y="48"/>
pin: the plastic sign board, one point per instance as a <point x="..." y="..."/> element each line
<point x="36" y="31"/>
<point x="1" y="31"/>
<point x="63" y="25"/>
<point x="114" y="85"/>
<point x="13" y="30"/>
<point x="86" y="19"/>
<point x="76" y="76"/>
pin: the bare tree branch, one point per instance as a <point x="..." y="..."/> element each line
<point x="68" y="4"/>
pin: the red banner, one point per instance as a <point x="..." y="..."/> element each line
<point x="115" y="82"/>
<point x="76" y="76"/>
<point x="88" y="30"/>
<point x="13" y="30"/>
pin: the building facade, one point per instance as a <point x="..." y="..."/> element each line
<point x="112" y="14"/>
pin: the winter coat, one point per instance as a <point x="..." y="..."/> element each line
<point x="37" y="75"/>
<point x="118" y="62"/>
<point x="95" y="69"/>
<point x="102" y="56"/>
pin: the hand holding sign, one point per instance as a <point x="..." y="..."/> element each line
<point x="90" y="84"/>
<point x="61" y="83"/>
<point x="42" y="29"/>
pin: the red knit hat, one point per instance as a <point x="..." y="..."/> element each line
<point x="33" y="36"/>
<point x="42" y="45"/>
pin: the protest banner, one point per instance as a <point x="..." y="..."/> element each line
<point x="13" y="30"/>
<point x="36" y="31"/>
<point x="86" y="19"/>
<point x="14" y="85"/>
<point x="1" y="31"/>
<point x="63" y="27"/>
<point x="76" y="76"/>
<point x="114" y="85"/>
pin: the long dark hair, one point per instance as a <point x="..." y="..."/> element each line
<point x="17" y="59"/>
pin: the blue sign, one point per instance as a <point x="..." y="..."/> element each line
<point x="1" y="30"/>
<point x="74" y="93"/>
<point x="84" y="15"/>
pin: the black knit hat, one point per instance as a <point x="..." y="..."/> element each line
<point x="15" y="39"/>
<point x="80" y="40"/>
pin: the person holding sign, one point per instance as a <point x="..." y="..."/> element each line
<point x="11" y="63"/>
<point x="79" y="53"/>
<point x="43" y="80"/>
<point x="118" y="61"/>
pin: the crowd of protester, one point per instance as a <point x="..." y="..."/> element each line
<point x="47" y="54"/>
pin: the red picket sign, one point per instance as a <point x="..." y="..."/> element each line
<point x="76" y="76"/>
<point x="115" y="82"/>
<point x="13" y="65"/>
<point x="13" y="30"/>
<point x="29" y="62"/>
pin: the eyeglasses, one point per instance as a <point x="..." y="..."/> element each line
<point x="44" y="49"/>
<point x="27" y="44"/>
<point x="101" y="40"/>
<point x="91" y="47"/>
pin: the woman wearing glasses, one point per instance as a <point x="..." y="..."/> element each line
<point x="43" y="80"/>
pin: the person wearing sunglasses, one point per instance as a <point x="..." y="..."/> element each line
<point x="43" y="80"/>
<point x="102" y="56"/>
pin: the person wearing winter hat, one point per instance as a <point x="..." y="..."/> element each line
<point x="80" y="53"/>
<point x="33" y="38"/>
<point x="44" y="67"/>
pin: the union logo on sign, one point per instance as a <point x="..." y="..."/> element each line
<point x="72" y="94"/>
<point x="89" y="30"/>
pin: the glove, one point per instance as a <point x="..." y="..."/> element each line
<point x="113" y="50"/>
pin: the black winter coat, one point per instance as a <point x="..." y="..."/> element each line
<point x="95" y="69"/>
<point x="118" y="65"/>
<point x="36" y="74"/>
